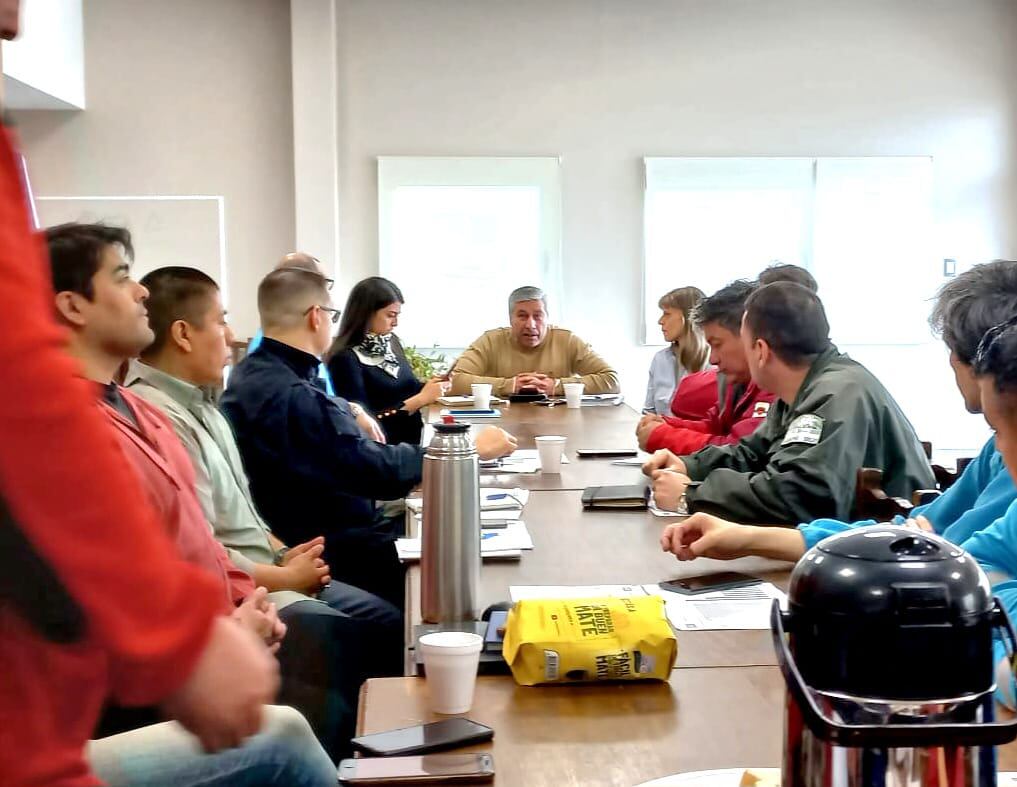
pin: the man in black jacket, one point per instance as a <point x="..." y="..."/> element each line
<point x="832" y="417"/>
<point x="311" y="467"/>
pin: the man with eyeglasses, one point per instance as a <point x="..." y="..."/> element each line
<point x="311" y="469"/>
<point x="300" y="259"/>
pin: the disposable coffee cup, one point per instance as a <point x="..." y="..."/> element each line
<point x="574" y="395"/>
<point x="550" y="448"/>
<point x="450" y="662"/>
<point x="481" y="396"/>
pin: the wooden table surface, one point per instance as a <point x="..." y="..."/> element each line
<point x="600" y="734"/>
<point x="602" y="426"/>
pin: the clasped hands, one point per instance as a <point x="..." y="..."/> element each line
<point x="541" y="382"/>
<point x="669" y="479"/>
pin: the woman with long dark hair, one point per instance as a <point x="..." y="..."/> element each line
<point x="368" y="365"/>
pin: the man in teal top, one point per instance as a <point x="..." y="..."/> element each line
<point x="299" y="259"/>
<point x="966" y="308"/>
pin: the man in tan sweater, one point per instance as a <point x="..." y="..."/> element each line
<point x="530" y="355"/>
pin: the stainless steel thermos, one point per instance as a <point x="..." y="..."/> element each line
<point x="450" y="556"/>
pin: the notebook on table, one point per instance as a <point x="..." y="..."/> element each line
<point x="626" y="496"/>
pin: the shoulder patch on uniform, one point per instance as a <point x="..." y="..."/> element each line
<point x="805" y="429"/>
<point x="761" y="410"/>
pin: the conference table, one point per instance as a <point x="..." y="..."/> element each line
<point x="723" y="704"/>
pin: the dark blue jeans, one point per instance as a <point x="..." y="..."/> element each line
<point x="329" y="650"/>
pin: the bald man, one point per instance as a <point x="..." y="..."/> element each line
<point x="300" y="259"/>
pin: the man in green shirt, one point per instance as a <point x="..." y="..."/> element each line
<point x="342" y="628"/>
<point x="832" y="417"/>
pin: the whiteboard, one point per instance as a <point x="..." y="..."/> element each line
<point x="166" y="230"/>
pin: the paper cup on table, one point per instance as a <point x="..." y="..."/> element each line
<point x="450" y="662"/>
<point x="481" y="396"/>
<point x="573" y="395"/>
<point x="550" y="448"/>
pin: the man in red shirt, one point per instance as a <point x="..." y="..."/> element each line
<point x="141" y="625"/>
<point x="742" y="406"/>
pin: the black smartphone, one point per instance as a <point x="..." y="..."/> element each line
<point x="590" y="453"/>
<point x="428" y="769"/>
<point x="445" y="734"/>
<point x="710" y="583"/>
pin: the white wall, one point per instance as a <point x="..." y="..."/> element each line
<point x="605" y="82"/>
<point x="44" y="67"/>
<point x="188" y="97"/>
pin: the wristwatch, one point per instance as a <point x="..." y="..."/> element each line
<point x="683" y="504"/>
<point x="280" y="556"/>
<point x="356" y="409"/>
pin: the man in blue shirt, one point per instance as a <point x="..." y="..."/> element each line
<point x="995" y="547"/>
<point x="299" y="259"/>
<point x="311" y="468"/>
<point x="966" y="308"/>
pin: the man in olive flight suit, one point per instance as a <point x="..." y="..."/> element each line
<point x="831" y="418"/>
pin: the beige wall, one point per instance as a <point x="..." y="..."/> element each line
<point x="184" y="97"/>
<point x="605" y="82"/>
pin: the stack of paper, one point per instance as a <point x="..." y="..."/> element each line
<point x="465" y="401"/>
<point x="495" y="504"/>
<point x="503" y="543"/>
<point x="736" y="608"/>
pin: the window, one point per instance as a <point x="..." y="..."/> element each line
<point x="862" y="226"/>
<point x="457" y="235"/>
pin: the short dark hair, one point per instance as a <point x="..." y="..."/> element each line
<point x="973" y="302"/>
<point x="782" y="271"/>
<point x="175" y="293"/>
<point x="75" y="253"/>
<point x="726" y="306"/>
<point x="366" y="297"/>
<point x="791" y="319"/>
<point x="997" y="356"/>
<point x="284" y="293"/>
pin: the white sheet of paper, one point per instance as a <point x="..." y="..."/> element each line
<point x="737" y="608"/>
<point x="493" y="543"/>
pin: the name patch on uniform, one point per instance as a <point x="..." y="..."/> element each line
<point x="805" y="429"/>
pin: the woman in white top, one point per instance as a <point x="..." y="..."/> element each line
<point x="686" y="352"/>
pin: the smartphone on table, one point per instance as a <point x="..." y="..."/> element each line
<point x="592" y="453"/>
<point x="423" y="769"/>
<point x="439" y="735"/>
<point x="710" y="583"/>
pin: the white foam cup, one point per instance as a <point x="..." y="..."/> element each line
<point x="450" y="662"/>
<point x="550" y="448"/>
<point x="573" y="395"/>
<point x="481" y="396"/>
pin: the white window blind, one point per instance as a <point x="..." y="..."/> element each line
<point x="457" y="235"/>
<point x="862" y="226"/>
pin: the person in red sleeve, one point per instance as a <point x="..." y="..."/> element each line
<point x="742" y="405"/>
<point x="94" y="601"/>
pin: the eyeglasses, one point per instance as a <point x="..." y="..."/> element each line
<point x="333" y="312"/>
<point x="329" y="283"/>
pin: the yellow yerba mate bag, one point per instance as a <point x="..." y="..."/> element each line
<point x="575" y="640"/>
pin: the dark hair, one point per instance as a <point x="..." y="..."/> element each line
<point x="726" y="306"/>
<point x="175" y="293"/>
<point x="283" y="295"/>
<point x="970" y="304"/>
<point x="791" y="319"/>
<point x="366" y="297"/>
<point x="782" y="271"/>
<point x="997" y="356"/>
<point x="75" y="253"/>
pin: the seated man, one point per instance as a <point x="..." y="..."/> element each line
<point x="741" y="406"/>
<point x="299" y="259"/>
<point x="832" y="418"/>
<point x="104" y="309"/>
<point x="531" y="355"/>
<point x="311" y="468"/>
<point x="966" y="308"/>
<point x="176" y="373"/>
